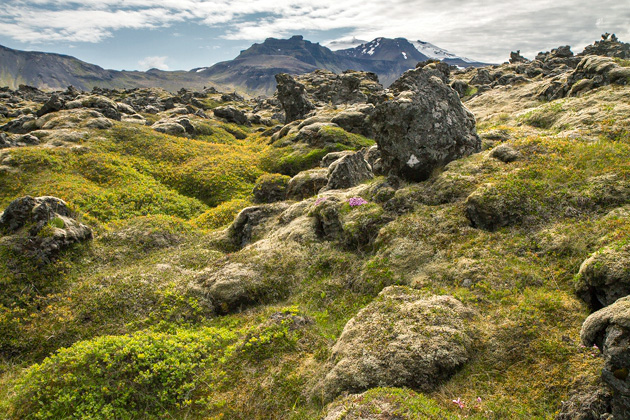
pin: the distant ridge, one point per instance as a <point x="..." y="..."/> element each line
<point x="251" y="72"/>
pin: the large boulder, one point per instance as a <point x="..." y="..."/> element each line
<point x="292" y="96"/>
<point x="348" y="171"/>
<point x="424" y="126"/>
<point x="104" y="105"/>
<point x="231" y="114"/>
<point x="403" y="339"/>
<point x="605" y="276"/>
<point x="41" y="226"/>
<point x="609" y="330"/>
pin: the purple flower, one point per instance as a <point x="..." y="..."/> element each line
<point x="356" y="201"/>
<point x="459" y="403"/>
<point x="320" y="200"/>
<point x="479" y="400"/>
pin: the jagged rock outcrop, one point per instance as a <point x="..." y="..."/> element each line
<point x="608" y="46"/>
<point x="350" y="87"/>
<point x="292" y="96"/>
<point x="348" y="171"/>
<point x="516" y="57"/>
<point x="424" y="126"/>
<point x="41" y="227"/>
<point x="609" y="330"/>
<point x="404" y="339"/>
<point x="604" y="277"/>
<point x="17" y="140"/>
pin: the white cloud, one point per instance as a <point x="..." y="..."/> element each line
<point x="483" y="29"/>
<point x="153" y="63"/>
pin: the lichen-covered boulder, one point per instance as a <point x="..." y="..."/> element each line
<point x="41" y="226"/>
<point x="609" y="329"/>
<point x="292" y="96"/>
<point x="228" y="288"/>
<point x="307" y="183"/>
<point x="348" y="171"/>
<point x="604" y="277"/>
<point x="169" y="127"/>
<point x="404" y="338"/>
<point x="424" y="126"/>
<point x="104" y="105"/>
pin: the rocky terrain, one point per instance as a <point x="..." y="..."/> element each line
<point x="453" y="246"/>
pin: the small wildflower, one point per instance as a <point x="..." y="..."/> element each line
<point x="459" y="403"/>
<point x="479" y="400"/>
<point x="320" y="200"/>
<point x="356" y="201"/>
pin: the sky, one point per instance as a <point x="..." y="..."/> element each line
<point x="185" y="34"/>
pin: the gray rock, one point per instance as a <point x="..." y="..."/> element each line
<point x="307" y="184"/>
<point x="423" y="128"/>
<point x="592" y="403"/>
<point x="231" y="114"/>
<point x="99" y="123"/>
<point x="354" y="121"/>
<point x="331" y="157"/>
<point x="104" y="105"/>
<point x="249" y="224"/>
<point x="292" y="96"/>
<point x="516" y="57"/>
<point x="169" y="127"/>
<point x="609" y="329"/>
<point x="402" y="339"/>
<point x="604" y="277"/>
<point x="228" y="288"/>
<point x="347" y="172"/>
<point x="461" y="87"/>
<point x="21" y="125"/>
<point x="41" y="226"/>
<point x="505" y="153"/>
<point x="54" y="104"/>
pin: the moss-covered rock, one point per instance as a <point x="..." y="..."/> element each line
<point x="605" y="276"/>
<point x="403" y="338"/>
<point x="270" y="188"/>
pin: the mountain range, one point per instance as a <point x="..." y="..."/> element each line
<point x="252" y="71"/>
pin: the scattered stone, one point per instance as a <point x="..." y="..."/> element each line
<point x="333" y="157"/>
<point x="404" y="338"/>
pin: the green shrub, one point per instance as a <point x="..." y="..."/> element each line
<point x="145" y="375"/>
